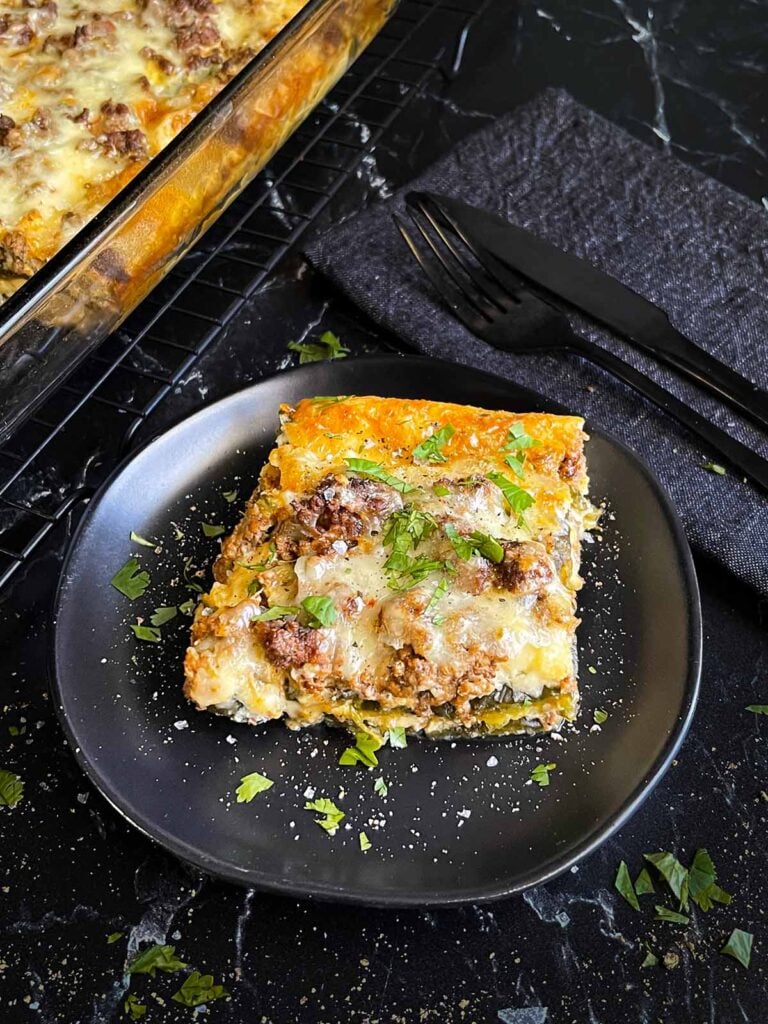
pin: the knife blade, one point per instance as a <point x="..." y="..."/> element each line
<point x="605" y="299"/>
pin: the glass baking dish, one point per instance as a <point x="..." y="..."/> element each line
<point x="85" y="291"/>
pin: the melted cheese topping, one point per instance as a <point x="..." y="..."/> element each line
<point x="472" y="647"/>
<point x="90" y="90"/>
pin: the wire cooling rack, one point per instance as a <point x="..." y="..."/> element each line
<point x="42" y="477"/>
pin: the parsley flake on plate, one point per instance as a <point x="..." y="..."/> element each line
<point x="600" y="716"/>
<point x="380" y="788"/>
<point x="11" y="789"/>
<point x="364" y="750"/>
<point x="375" y="470"/>
<point x="163" y="614"/>
<point x="130" y="579"/>
<point x="198" y="989"/>
<point x="714" y="467"/>
<point x="212" y="529"/>
<point x="138" y="539"/>
<point x="650" y="960"/>
<point x="644" y="883"/>
<point x="702" y="882"/>
<point x="133" y="1007"/>
<point x="229" y="496"/>
<point x="328" y="346"/>
<point x="365" y="842"/>
<point x="150" y="634"/>
<point x="623" y="885"/>
<point x="396" y="736"/>
<point x="251" y="785"/>
<point x="518" y="499"/>
<point x="113" y="937"/>
<point x="320" y="611"/>
<point x="156" y="958"/>
<point x="431" y="449"/>
<point x="540" y="774"/>
<point x="441" y="490"/>
<point x="673" y="873"/>
<point x="665" y="914"/>
<point x="739" y="946"/>
<point x="757" y="709"/>
<point x="332" y="816"/>
<point x="188" y="607"/>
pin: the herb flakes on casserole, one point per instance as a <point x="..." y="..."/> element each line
<point x="405" y="565"/>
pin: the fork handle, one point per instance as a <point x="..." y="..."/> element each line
<point x="749" y="462"/>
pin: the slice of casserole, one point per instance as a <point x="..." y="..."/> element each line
<point x="402" y="564"/>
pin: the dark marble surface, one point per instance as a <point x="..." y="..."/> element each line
<point x="692" y="77"/>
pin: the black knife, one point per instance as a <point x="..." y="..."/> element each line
<point x="606" y="300"/>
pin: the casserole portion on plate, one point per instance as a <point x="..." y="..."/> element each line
<point x="402" y="564"/>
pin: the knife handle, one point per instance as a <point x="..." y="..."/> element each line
<point x="721" y="380"/>
<point x="749" y="462"/>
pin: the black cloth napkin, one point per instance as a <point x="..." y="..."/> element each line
<point x="686" y="242"/>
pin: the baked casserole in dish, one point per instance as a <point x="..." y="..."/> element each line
<point x="402" y="564"/>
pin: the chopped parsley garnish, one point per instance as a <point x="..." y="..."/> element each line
<point x="380" y="788"/>
<point x="702" y="882"/>
<point x="644" y="883"/>
<point x="375" y="470"/>
<point x="650" y="960"/>
<point x="261" y="566"/>
<point x="365" y="842"/>
<point x="411" y="571"/>
<point x="364" y="750"/>
<point x="673" y="872"/>
<point x="133" y="1007"/>
<point x="518" y="499"/>
<point x="665" y="914"/>
<point x="600" y="716"/>
<point x="430" y="450"/>
<point x="187" y="607"/>
<point x="441" y="490"/>
<point x="623" y="885"/>
<point x="481" y="543"/>
<point x="113" y="937"/>
<point x="150" y="634"/>
<point x="251" y="785"/>
<point x="130" y="580"/>
<point x="11" y="789"/>
<point x="17" y="730"/>
<point x="331" y="815"/>
<point x="320" y="611"/>
<point x="396" y="736"/>
<point x="198" y="989"/>
<point x="739" y="946"/>
<point x="327" y="346"/>
<point x="163" y="614"/>
<point x="714" y="467"/>
<point x="518" y="441"/>
<point x="229" y="496"/>
<point x="278" y="611"/>
<point x="156" y="958"/>
<point x="328" y="399"/>
<point x="437" y="595"/>
<point x="189" y="568"/>
<point x="540" y="774"/>
<point x="757" y="709"/>
<point x="212" y="530"/>
<point x="137" y="539"/>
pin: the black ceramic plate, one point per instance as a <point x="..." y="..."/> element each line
<point x="460" y="821"/>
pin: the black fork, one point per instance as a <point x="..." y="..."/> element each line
<point x="494" y="304"/>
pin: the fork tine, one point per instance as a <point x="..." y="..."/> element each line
<point x="507" y="278"/>
<point x="493" y="290"/>
<point x="442" y="283"/>
<point x="452" y="267"/>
